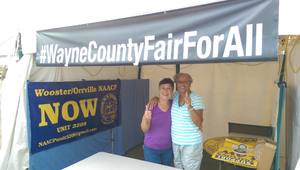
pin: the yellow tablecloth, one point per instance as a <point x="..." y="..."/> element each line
<point x="213" y="144"/>
<point x="216" y="148"/>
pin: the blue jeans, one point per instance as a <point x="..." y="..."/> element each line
<point x="164" y="156"/>
<point x="187" y="157"/>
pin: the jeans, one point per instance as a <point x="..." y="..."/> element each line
<point x="164" y="156"/>
<point x="188" y="157"/>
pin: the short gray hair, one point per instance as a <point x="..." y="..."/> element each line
<point x="176" y="77"/>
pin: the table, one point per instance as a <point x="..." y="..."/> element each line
<point x="108" y="161"/>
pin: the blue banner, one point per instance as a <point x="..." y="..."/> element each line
<point x="61" y="112"/>
<point x="227" y="31"/>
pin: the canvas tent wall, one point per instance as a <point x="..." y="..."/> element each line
<point x="147" y="72"/>
<point x="292" y="112"/>
<point x="205" y="77"/>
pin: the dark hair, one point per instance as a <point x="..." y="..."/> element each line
<point x="176" y="77"/>
<point x="167" y="81"/>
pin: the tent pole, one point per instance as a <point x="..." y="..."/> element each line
<point x="139" y="71"/>
<point x="279" y="120"/>
<point x="177" y="68"/>
<point x="282" y="89"/>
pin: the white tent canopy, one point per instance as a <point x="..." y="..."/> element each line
<point x="29" y="16"/>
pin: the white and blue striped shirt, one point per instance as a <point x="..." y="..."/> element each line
<point x="183" y="129"/>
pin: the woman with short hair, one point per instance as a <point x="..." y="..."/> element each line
<point x="156" y="125"/>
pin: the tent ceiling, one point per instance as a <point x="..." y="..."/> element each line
<point x="29" y="16"/>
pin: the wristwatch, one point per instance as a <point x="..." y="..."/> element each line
<point x="190" y="108"/>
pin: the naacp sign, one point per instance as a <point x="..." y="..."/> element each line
<point x="61" y="112"/>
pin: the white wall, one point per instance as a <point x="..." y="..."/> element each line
<point x="288" y="14"/>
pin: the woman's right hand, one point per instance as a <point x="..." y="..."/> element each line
<point x="146" y="120"/>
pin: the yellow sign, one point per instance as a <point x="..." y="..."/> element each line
<point x="236" y="153"/>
